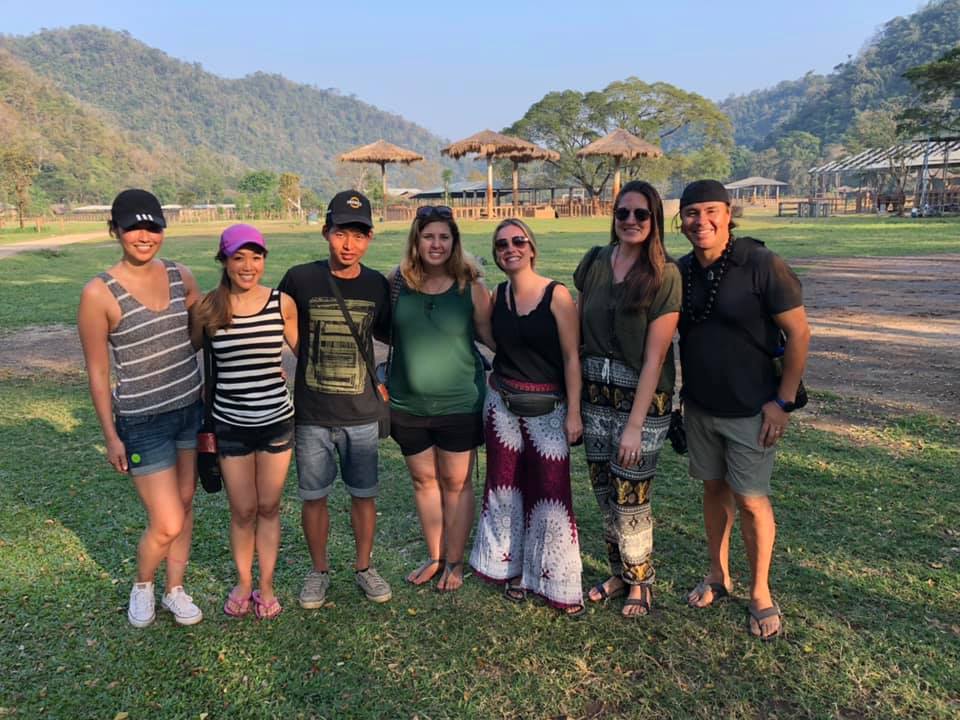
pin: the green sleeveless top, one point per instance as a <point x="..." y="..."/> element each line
<point x="436" y="369"/>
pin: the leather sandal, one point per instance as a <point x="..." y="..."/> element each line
<point x="643" y="602"/>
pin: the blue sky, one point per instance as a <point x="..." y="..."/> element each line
<point x="456" y="68"/>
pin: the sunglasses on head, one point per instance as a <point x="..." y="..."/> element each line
<point x="641" y="214"/>
<point x="440" y="211"/>
<point x="518" y="241"/>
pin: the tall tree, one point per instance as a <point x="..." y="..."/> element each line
<point x="566" y="121"/>
<point x="936" y="107"/>
<point x="18" y="168"/>
<point x="290" y="193"/>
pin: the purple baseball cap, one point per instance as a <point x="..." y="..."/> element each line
<point x="236" y="236"/>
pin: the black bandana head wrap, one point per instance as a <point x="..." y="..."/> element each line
<point x="704" y="191"/>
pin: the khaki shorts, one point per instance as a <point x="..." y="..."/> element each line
<point x="722" y="448"/>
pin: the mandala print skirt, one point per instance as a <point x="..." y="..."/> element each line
<point x="527" y="528"/>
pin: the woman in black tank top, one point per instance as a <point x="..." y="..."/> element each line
<point x="526" y="538"/>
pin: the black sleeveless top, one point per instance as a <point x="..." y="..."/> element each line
<point x="528" y="346"/>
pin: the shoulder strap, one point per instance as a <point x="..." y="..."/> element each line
<point x="371" y="371"/>
<point x="395" y="287"/>
<point x="209" y="380"/>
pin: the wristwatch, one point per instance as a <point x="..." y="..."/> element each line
<point x="785" y="405"/>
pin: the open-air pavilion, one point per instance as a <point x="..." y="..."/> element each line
<point x="755" y="186"/>
<point x="927" y="168"/>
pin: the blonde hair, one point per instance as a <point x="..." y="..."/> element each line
<point x="460" y="265"/>
<point x="517" y="223"/>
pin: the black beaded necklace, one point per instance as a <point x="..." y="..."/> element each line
<point x="715" y="276"/>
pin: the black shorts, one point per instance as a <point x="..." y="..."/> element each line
<point x="452" y="433"/>
<point x="237" y="440"/>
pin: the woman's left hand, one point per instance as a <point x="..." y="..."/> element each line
<point x="573" y="427"/>
<point x="631" y="444"/>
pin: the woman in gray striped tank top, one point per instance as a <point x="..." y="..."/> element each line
<point x="246" y="324"/>
<point x="138" y="309"/>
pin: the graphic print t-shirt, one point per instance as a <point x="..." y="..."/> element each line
<point x="333" y="386"/>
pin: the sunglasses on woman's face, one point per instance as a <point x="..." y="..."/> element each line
<point x="440" y="211"/>
<point x="518" y="241"/>
<point x="641" y="214"/>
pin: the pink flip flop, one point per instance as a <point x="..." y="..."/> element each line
<point x="265" y="611"/>
<point x="237" y="606"/>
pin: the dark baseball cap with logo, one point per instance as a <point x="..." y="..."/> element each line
<point x="132" y="207"/>
<point x="350" y="207"/>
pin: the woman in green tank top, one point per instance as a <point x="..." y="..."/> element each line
<point x="437" y="385"/>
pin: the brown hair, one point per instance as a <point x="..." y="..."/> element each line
<point x="645" y="276"/>
<point x="515" y="222"/>
<point x="460" y="266"/>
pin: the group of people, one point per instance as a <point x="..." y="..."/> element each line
<point x="598" y="371"/>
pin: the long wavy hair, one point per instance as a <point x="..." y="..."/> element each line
<point x="213" y="311"/>
<point x="460" y="265"/>
<point x="645" y="276"/>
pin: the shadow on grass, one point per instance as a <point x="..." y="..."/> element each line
<point x="869" y="619"/>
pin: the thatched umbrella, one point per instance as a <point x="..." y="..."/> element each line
<point x="529" y="153"/>
<point x="622" y="147"/>
<point x="381" y="153"/>
<point x="489" y="145"/>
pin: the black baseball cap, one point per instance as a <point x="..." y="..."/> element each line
<point x="135" y="206"/>
<point x="704" y="191"/>
<point x="349" y="207"/>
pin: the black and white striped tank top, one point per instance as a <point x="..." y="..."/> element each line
<point x="251" y="391"/>
<point x="155" y="364"/>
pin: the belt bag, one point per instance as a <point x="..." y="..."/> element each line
<point x="528" y="404"/>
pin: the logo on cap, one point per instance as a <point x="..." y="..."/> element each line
<point x="354" y="202"/>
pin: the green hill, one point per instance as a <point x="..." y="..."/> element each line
<point x="259" y="121"/>
<point x="826" y="106"/>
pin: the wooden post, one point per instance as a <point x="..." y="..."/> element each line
<point x="616" y="178"/>
<point x="516" y="185"/>
<point x="489" y="187"/>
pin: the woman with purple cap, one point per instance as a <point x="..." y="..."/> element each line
<point x="245" y="324"/>
<point x="138" y="309"/>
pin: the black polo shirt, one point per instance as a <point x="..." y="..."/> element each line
<point x="723" y="371"/>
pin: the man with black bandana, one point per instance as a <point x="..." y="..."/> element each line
<point x="738" y="297"/>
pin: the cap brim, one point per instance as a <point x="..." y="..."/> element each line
<point x="125" y="222"/>
<point x="350" y="219"/>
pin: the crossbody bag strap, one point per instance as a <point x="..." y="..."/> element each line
<point x="209" y="379"/>
<point x="371" y="371"/>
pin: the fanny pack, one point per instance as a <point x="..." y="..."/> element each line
<point x="527" y="404"/>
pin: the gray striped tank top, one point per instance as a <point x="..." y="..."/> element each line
<point x="251" y="390"/>
<point x="155" y="364"/>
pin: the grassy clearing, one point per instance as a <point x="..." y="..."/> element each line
<point x="866" y="571"/>
<point x="48" y="283"/>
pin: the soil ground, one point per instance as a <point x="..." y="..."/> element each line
<point x="886" y="332"/>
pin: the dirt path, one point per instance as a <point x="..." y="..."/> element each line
<point x="886" y="331"/>
<point x="51" y="243"/>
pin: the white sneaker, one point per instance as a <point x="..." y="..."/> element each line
<point x="182" y="607"/>
<point x="141" y="612"/>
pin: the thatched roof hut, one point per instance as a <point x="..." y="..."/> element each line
<point x="488" y="144"/>
<point x="380" y="153"/>
<point x="622" y="147"/>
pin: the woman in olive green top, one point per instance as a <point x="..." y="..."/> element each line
<point x="629" y="302"/>
<point x="437" y="385"/>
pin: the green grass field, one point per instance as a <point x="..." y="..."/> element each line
<point x="866" y="570"/>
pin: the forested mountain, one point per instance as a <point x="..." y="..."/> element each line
<point x="79" y="155"/>
<point x="827" y="106"/>
<point x="263" y="121"/>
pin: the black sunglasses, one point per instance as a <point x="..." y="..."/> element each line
<point x="440" y="211"/>
<point x="518" y="241"/>
<point x="623" y="214"/>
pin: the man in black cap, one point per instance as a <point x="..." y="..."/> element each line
<point x="738" y="297"/>
<point x="337" y="404"/>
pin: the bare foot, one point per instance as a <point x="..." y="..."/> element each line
<point x="452" y="578"/>
<point x="425" y="573"/>
<point x="707" y="592"/>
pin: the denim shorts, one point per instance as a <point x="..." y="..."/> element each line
<point x="317" y="449"/>
<point x="236" y="440"/>
<point x="152" y="441"/>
